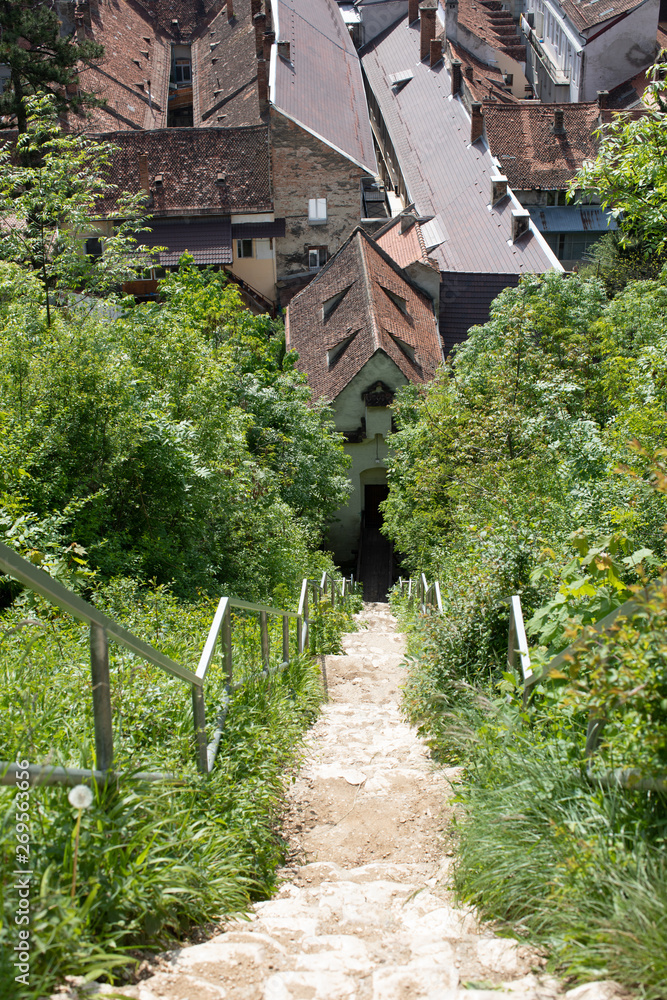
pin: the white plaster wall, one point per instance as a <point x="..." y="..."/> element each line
<point x="620" y="52"/>
<point x="261" y="274"/>
<point x="348" y="406"/>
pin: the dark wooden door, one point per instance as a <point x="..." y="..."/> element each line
<point x="373" y="497"/>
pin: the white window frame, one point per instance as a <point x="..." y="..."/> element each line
<point x="321" y="252"/>
<point x="239" y="249"/>
<point x="317" y="211"/>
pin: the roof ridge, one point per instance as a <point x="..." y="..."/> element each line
<point x="375" y="333"/>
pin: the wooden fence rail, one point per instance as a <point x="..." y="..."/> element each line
<point x="103" y="628"/>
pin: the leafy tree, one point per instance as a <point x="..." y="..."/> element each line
<point x="50" y="185"/>
<point x="40" y="60"/>
<point x="629" y="175"/>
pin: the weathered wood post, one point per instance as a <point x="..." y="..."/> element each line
<point x="99" y="669"/>
<point x="264" y="635"/>
<point x="285" y="639"/>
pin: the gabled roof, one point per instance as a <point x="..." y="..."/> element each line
<point x="530" y="154"/>
<point x="447" y="177"/>
<point x="484" y="82"/>
<point x="225" y="70"/>
<point x="321" y="87"/>
<point x="133" y="73"/>
<point x="359" y="304"/>
<point x="403" y="240"/>
<point x="192" y="15"/>
<point x="493" y="24"/>
<point x="189" y="160"/>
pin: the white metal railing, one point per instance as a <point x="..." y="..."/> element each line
<point x="103" y="628"/>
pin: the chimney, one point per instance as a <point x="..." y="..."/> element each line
<point x="520" y="223"/>
<point x="255" y="7"/>
<point x="436" y="51"/>
<point x="143" y="173"/>
<point x="427" y="13"/>
<point x="603" y="99"/>
<point x="82" y="10"/>
<point x="284" y="50"/>
<point x="470" y="73"/>
<point x="262" y="86"/>
<point x="456" y="76"/>
<point x="558" y="127"/>
<point x="476" y="121"/>
<point x="230" y="10"/>
<point x="413" y="11"/>
<point x="259" y="20"/>
<point x="498" y="188"/>
<point x="269" y="39"/>
<point x="452" y="20"/>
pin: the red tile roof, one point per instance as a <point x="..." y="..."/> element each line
<point x="403" y="245"/>
<point x="484" y="82"/>
<point x="589" y="13"/>
<point x="191" y="15"/>
<point x="225" y="70"/>
<point x="190" y="160"/>
<point x="321" y="87"/>
<point x="135" y="52"/>
<point x="379" y="310"/>
<point x="531" y="156"/>
<point x="490" y="21"/>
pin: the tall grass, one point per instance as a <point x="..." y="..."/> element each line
<point x="154" y="860"/>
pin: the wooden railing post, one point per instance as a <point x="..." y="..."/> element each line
<point x="199" y="717"/>
<point x="99" y="669"/>
<point x="264" y="636"/>
<point x="285" y="639"/>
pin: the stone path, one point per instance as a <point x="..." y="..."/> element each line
<point x="366" y="913"/>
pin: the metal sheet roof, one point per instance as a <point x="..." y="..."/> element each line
<point x="208" y="240"/>
<point x="573" y="220"/>
<point x="321" y="87"/>
<point x="446" y="176"/>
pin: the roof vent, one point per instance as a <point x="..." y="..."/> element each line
<point x="284" y="50"/>
<point x="520" y="223"/>
<point x="498" y="188"/>
<point x="220" y="177"/>
<point x="158" y="179"/>
<point x="399" y="80"/>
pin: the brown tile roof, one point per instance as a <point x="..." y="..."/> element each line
<point x="494" y="24"/>
<point x="589" y="13"/>
<point x="379" y="310"/>
<point x="403" y="245"/>
<point x="447" y="177"/>
<point x="189" y="160"/>
<point x="135" y="52"/>
<point x="531" y="156"/>
<point x="321" y="87"/>
<point x="484" y="82"/>
<point x="192" y="15"/>
<point x="225" y="70"/>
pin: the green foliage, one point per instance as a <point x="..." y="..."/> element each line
<point x="50" y="187"/>
<point x="48" y="63"/>
<point x="174" y="442"/>
<point x="629" y="175"/>
<point x="154" y="860"/>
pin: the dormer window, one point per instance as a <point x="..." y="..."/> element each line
<point x="329" y="306"/>
<point x="398" y="300"/>
<point x="406" y="348"/>
<point x="334" y="353"/>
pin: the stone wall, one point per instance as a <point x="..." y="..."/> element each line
<point x="304" y="167"/>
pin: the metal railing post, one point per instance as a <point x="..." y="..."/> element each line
<point x="99" y="669"/>
<point x="199" y="718"/>
<point x="227" y="646"/>
<point x="264" y="636"/>
<point x="285" y="639"/>
<point x="301" y="616"/>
